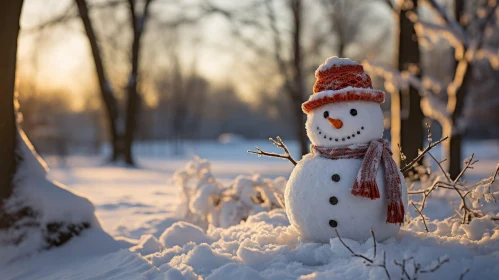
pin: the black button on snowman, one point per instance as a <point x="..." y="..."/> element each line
<point x="333" y="200"/>
<point x="349" y="162"/>
<point x="336" y="177"/>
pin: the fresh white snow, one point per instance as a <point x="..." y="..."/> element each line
<point x="138" y="207"/>
<point x="334" y="60"/>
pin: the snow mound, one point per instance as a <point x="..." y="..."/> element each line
<point x="46" y="213"/>
<point x="148" y="244"/>
<point x="182" y="233"/>
<point x="334" y="60"/>
<point x="266" y="247"/>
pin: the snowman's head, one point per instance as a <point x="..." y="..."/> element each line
<point x="345" y="123"/>
<point x="344" y="108"/>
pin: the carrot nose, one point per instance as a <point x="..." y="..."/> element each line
<point x="336" y="122"/>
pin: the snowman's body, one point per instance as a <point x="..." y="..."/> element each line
<point x="314" y="198"/>
<point x="343" y="112"/>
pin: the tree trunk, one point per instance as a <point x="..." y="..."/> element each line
<point x="10" y="13"/>
<point x="454" y="152"/>
<point x="453" y="148"/>
<point x="298" y="79"/>
<point x="133" y="98"/>
<point x="411" y="130"/>
<point x="107" y="94"/>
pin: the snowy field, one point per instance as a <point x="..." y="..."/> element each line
<point x="139" y="210"/>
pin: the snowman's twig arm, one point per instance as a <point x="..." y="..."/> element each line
<point x="280" y="144"/>
<point x="421" y="155"/>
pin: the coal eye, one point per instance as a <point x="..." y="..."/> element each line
<point x="326" y="114"/>
<point x="353" y="112"/>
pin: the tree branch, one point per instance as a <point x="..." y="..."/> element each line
<point x="280" y="144"/>
<point x="421" y="214"/>
<point x="452" y="23"/>
<point x="421" y="155"/>
<point x="351" y="251"/>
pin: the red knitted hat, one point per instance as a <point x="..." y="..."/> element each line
<point x="341" y="79"/>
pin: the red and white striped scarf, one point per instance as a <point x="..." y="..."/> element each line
<point x="365" y="183"/>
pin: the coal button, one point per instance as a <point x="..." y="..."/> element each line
<point x="333" y="200"/>
<point x="336" y="177"/>
<point x="333" y="223"/>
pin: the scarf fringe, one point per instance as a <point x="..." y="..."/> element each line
<point x="395" y="212"/>
<point x="366" y="189"/>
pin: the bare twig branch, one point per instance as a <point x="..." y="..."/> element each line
<point x="422" y="217"/>
<point x="461" y="277"/>
<point x="466" y="167"/>
<point x="439" y="164"/>
<point x="65" y="16"/>
<point x="440" y="262"/>
<point x="374" y="241"/>
<point x="280" y="144"/>
<point x="418" y="268"/>
<point x="402" y="155"/>
<point x="489" y="186"/>
<point x="487" y="23"/>
<point x="382" y="265"/>
<point x="351" y="251"/>
<point x="370" y="262"/>
<point x="277" y="40"/>
<point x="458" y="187"/>
<point x="69" y="14"/>
<point x="452" y="23"/>
<point x="421" y="155"/>
<point x="402" y="267"/>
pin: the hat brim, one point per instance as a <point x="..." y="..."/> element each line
<point x="334" y="96"/>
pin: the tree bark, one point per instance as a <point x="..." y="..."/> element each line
<point x="411" y="130"/>
<point x="10" y="13"/>
<point x="298" y="79"/>
<point x="453" y="148"/>
<point x="456" y="136"/>
<point x="107" y="93"/>
<point x="133" y="98"/>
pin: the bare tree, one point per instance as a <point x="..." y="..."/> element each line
<point x="21" y="218"/>
<point x="10" y="13"/>
<point x="469" y="49"/>
<point x="290" y="65"/>
<point x="466" y="46"/>
<point x="407" y="128"/>
<point x="298" y="80"/>
<point x="138" y="23"/>
<point x="106" y="90"/>
<point x="122" y="141"/>
<point x="345" y="21"/>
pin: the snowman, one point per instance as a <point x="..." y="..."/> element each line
<point x="349" y="182"/>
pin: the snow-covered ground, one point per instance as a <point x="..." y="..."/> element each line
<point x="139" y="208"/>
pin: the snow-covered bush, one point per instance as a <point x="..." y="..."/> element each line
<point x="40" y="214"/>
<point x="205" y="200"/>
<point x="474" y="207"/>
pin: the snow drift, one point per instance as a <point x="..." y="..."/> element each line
<point x="44" y="213"/>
